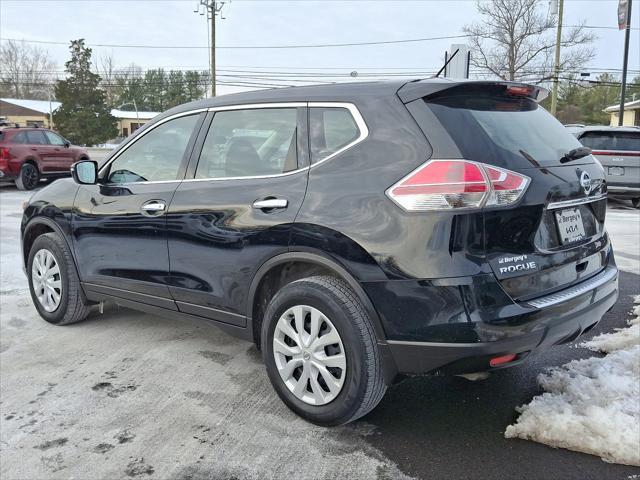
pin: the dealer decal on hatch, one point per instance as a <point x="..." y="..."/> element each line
<point x="513" y="265"/>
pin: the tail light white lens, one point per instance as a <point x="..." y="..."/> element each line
<point x="456" y="184"/>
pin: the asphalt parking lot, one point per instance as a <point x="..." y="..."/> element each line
<point x="130" y="395"/>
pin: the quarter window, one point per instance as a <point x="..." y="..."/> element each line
<point x="252" y="142"/>
<point x="157" y="155"/>
<point x="330" y="130"/>
<point x="20" y="137"/>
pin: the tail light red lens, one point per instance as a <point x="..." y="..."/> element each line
<point x="455" y="184"/>
<point x="4" y="155"/>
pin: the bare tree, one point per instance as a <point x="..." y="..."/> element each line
<point x="25" y="71"/>
<point x="105" y="65"/>
<point x="515" y="40"/>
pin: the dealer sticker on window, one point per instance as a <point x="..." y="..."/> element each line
<point x="570" y="226"/>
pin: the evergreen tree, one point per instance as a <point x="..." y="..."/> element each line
<point x="155" y="87"/>
<point x="633" y="89"/>
<point x="84" y="117"/>
<point x="195" y="84"/>
<point x="176" y="91"/>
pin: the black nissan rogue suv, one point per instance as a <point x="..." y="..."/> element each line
<point x="354" y="232"/>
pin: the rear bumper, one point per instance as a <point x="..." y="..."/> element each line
<point x="625" y="191"/>
<point x="527" y="327"/>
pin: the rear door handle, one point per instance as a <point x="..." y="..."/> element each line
<point x="154" y="207"/>
<point x="270" y="203"/>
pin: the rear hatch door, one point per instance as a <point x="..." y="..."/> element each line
<point x="554" y="235"/>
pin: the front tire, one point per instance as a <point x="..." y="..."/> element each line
<point x="54" y="283"/>
<point x="636" y="202"/>
<point x="320" y="350"/>
<point x="28" y="177"/>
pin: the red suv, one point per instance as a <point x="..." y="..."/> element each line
<point x="29" y="154"/>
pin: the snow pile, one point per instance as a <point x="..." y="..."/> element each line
<point x="622" y="338"/>
<point x="591" y="405"/>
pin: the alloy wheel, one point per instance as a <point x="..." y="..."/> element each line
<point x="46" y="280"/>
<point x="309" y="355"/>
<point x="29" y="176"/>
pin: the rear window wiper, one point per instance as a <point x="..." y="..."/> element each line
<point x="575" y="154"/>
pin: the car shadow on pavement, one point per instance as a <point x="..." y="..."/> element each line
<point x="449" y="427"/>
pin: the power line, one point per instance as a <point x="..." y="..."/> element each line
<point x="322" y="45"/>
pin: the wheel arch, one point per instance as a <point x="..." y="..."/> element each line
<point x="33" y="162"/>
<point x="37" y="226"/>
<point x="318" y="263"/>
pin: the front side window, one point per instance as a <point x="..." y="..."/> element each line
<point x="252" y="142"/>
<point x="55" y="139"/>
<point x="330" y="129"/>
<point x="157" y="155"/>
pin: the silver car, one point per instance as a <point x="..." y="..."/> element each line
<point x="618" y="149"/>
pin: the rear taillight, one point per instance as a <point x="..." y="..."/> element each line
<point x="456" y="184"/>
<point x="4" y="154"/>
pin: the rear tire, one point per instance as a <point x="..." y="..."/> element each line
<point x="359" y="384"/>
<point x="28" y="177"/>
<point x="54" y="283"/>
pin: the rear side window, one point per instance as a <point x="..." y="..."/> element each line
<point x="622" y="141"/>
<point x="505" y="131"/>
<point x="247" y="143"/>
<point x="331" y="129"/>
<point x="35" y="137"/>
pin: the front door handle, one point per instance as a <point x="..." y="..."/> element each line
<point x="154" y="207"/>
<point x="271" y="203"/>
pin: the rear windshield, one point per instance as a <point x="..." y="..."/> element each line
<point x="623" y="141"/>
<point x="512" y="132"/>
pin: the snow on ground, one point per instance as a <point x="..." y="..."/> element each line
<point x="622" y="338"/>
<point x="591" y="405"/>
<point x="127" y="394"/>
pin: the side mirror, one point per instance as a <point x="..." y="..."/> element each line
<point x="67" y="144"/>
<point x="85" y="172"/>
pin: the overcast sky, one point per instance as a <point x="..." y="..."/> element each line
<point x="269" y="22"/>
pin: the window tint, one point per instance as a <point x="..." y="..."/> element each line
<point x="503" y="131"/>
<point x="330" y="130"/>
<point x="157" y="155"/>
<point x="242" y="143"/>
<point x="625" y="141"/>
<point x="35" y="137"/>
<point x="20" y="137"/>
<point x="54" y="138"/>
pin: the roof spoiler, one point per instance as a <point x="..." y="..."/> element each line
<point x="430" y="89"/>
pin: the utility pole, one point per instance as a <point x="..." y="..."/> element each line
<point x="623" y="89"/>
<point x="212" y="9"/>
<point x="556" y="67"/>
